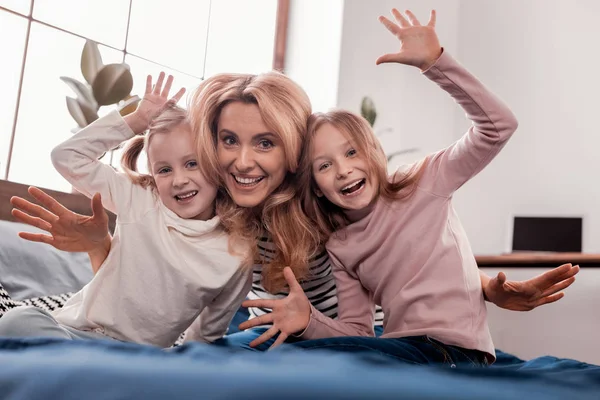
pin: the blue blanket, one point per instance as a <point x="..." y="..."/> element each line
<point x="55" y="369"/>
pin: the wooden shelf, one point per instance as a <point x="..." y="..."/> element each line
<point x="538" y="260"/>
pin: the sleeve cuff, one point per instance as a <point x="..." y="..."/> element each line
<point x="309" y="331"/>
<point x="115" y="119"/>
<point x="443" y="60"/>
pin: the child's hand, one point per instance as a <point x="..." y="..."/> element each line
<point x="419" y="45"/>
<point x="288" y="316"/>
<point x="69" y="231"/>
<point x="155" y="100"/>
<point x="527" y="295"/>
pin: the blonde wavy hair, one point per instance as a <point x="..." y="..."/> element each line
<point x="170" y="118"/>
<point x="327" y="216"/>
<point x="284" y="108"/>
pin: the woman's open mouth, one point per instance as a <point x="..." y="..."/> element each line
<point x="247" y="182"/>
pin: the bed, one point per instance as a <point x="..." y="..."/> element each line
<point x="55" y="369"/>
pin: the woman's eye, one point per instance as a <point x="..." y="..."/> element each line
<point x="229" y="140"/>
<point x="265" y="144"/>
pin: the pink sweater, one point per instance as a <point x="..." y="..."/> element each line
<point x="412" y="256"/>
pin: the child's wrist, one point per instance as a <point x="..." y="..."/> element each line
<point x="103" y="246"/>
<point x="431" y="62"/>
<point x="137" y="122"/>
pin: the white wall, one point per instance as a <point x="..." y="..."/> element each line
<point x="404" y="99"/>
<point x="568" y="328"/>
<point x="541" y="57"/>
<point x="313" y="49"/>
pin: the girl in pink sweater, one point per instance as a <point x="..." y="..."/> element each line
<point x="397" y="241"/>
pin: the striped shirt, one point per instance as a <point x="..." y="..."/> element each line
<point x="319" y="285"/>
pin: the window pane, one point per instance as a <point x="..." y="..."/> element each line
<point x="43" y="116"/>
<point x="20" y="6"/>
<point x="11" y="26"/>
<point x="142" y="68"/>
<point x="173" y="35"/>
<point x="104" y="21"/>
<point x="241" y="36"/>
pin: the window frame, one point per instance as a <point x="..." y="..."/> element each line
<point x="278" y="63"/>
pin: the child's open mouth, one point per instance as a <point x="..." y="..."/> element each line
<point x="353" y="187"/>
<point x="186" y="196"/>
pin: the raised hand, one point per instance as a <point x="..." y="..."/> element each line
<point x="527" y="295"/>
<point x="155" y="100"/>
<point x="69" y="231"/>
<point x="288" y="316"/>
<point x="419" y="45"/>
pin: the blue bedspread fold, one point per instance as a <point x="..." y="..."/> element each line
<point x="33" y="369"/>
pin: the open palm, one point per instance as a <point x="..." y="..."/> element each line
<point x="526" y="295"/>
<point x="288" y="316"/>
<point x="68" y="231"/>
<point x="156" y="98"/>
<point x="419" y="44"/>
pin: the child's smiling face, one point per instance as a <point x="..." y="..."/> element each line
<point x="181" y="186"/>
<point x="341" y="173"/>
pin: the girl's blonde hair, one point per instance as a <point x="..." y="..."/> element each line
<point x="172" y="117"/>
<point x="327" y="216"/>
<point x="284" y="108"/>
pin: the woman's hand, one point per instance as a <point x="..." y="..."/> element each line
<point x="419" y="45"/>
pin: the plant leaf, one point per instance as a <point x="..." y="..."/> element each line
<point x="91" y="61"/>
<point x="75" y="111"/>
<point x="89" y="113"/>
<point x="112" y="84"/>
<point x="399" y="152"/>
<point x="82" y="91"/>
<point x="367" y="110"/>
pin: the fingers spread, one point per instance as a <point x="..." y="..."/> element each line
<point x="33" y="221"/>
<point x="290" y="278"/>
<point x="168" y="84"/>
<point x="33" y="209"/>
<point x="392" y="27"/>
<point x="257" y="321"/>
<point x="159" y="82"/>
<point x="37" y="237"/>
<point x="264" y="337"/>
<point x="48" y="201"/>
<point x="432" y="19"/>
<point x="280" y="340"/>
<point x="403" y="22"/>
<point x="412" y="18"/>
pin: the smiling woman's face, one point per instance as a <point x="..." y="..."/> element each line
<point x="251" y="157"/>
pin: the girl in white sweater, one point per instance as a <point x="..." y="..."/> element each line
<point x="170" y="266"/>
